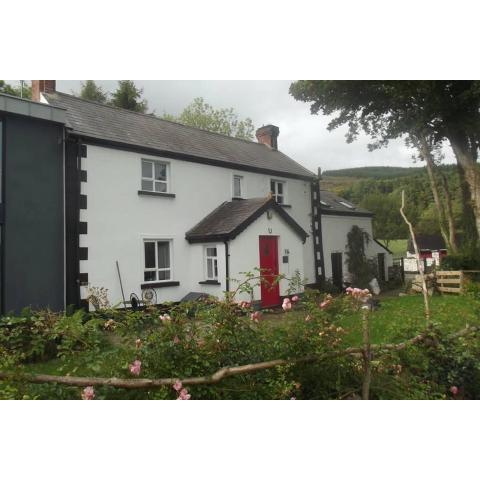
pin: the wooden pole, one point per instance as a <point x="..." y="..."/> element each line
<point x="121" y="285"/>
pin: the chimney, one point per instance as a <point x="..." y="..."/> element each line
<point x="268" y="135"/>
<point x="41" y="86"/>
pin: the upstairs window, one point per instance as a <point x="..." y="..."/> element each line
<point x="278" y="191"/>
<point x="157" y="260"/>
<point x="237" y="186"/>
<point x="155" y="176"/>
<point x="211" y="263"/>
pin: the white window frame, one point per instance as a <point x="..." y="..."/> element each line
<point x="275" y="194"/>
<point x="152" y="179"/>
<point x="156" y="269"/>
<point x="234" y="176"/>
<point x="214" y="263"/>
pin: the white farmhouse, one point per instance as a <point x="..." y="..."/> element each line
<point x="183" y="210"/>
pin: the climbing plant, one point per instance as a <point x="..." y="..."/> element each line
<point x="361" y="269"/>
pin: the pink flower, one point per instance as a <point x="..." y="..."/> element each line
<point x="244" y="304"/>
<point x="454" y="390"/>
<point x="88" y="393"/>
<point x="177" y="385"/>
<point x="165" y="318"/>
<point x="325" y="304"/>
<point x="255" y="316"/>
<point x="135" y="368"/>
<point x="293" y="398"/>
<point x="138" y="343"/>
<point x="287" y="305"/>
<point x="184" y="395"/>
<point x="295" y="298"/>
<point x="176" y="340"/>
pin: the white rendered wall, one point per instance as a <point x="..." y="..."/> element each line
<point x="245" y="252"/>
<point x="334" y="234"/>
<point x="119" y="220"/>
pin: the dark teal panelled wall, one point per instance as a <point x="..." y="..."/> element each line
<point x="33" y="231"/>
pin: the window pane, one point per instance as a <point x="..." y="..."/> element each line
<point x="279" y="199"/>
<point x="164" y="275"/>
<point x="149" y="248"/>
<point x="209" y="268"/>
<point x="160" y="171"/>
<point x="237" y="186"/>
<point x="147" y="169"/>
<point x="212" y="251"/>
<point x="272" y="186"/>
<point x="215" y="268"/>
<point x="160" y="187"/>
<point x="149" y="276"/>
<point x="147" y="185"/>
<point x="163" y="255"/>
<point x="279" y="188"/>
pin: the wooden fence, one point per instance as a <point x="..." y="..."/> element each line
<point x="449" y="281"/>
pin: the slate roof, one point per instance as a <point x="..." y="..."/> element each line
<point x="334" y="207"/>
<point x="427" y="242"/>
<point x="231" y="218"/>
<point x="93" y="120"/>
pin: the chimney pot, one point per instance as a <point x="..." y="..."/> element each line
<point x="268" y="135"/>
<point x="42" y="86"/>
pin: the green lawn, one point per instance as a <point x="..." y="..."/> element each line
<point x="399" y="316"/>
<point x="397" y="247"/>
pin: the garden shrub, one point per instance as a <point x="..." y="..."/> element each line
<point x="197" y="339"/>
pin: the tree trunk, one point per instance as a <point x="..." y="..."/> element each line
<point x="426" y="153"/>
<point x="452" y="230"/>
<point x="467" y="160"/>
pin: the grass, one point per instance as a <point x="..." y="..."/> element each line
<point x="397" y="247"/>
<point x="397" y="317"/>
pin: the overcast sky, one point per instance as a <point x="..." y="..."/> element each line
<point x="303" y="136"/>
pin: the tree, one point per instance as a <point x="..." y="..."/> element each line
<point x="384" y="110"/>
<point x="128" y="96"/>
<point x="91" y="91"/>
<point x="23" y="90"/>
<point x="200" y="114"/>
<point x="387" y="223"/>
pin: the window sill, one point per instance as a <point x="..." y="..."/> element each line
<point x="210" y="282"/>
<point x="144" y="286"/>
<point x="156" y="194"/>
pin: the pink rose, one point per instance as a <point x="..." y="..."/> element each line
<point x="325" y="304"/>
<point x="293" y="398"/>
<point x="184" y="395"/>
<point x="454" y="390"/>
<point x="177" y="385"/>
<point x="295" y="298"/>
<point x="287" y="305"/>
<point x="255" y="316"/>
<point x="88" y="393"/>
<point x="165" y="318"/>
<point x="135" y="368"/>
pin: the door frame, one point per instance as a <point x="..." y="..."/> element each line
<point x="274" y="291"/>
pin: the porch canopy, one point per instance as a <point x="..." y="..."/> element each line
<point x="231" y="218"/>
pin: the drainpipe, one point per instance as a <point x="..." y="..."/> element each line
<point x="227" y="267"/>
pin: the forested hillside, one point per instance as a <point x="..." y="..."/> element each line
<point x="379" y="189"/>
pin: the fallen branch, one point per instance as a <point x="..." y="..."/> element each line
<point x="142" y="383"/>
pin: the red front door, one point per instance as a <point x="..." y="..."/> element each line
<point x="270" y="291"/>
